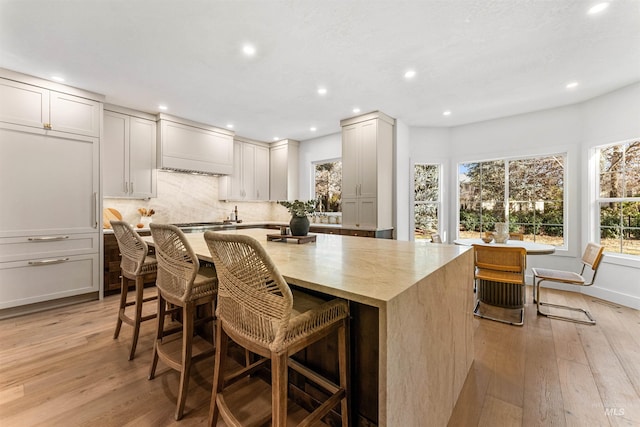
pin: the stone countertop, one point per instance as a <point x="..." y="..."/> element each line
<point x="259" y="224"/>
<point x="369" y="271"/>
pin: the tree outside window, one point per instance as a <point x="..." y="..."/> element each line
<point x="426" y="207"/>
<point x="328" y="186"/>
<point x="527" y="193"/>
<point x="619" y="197"/>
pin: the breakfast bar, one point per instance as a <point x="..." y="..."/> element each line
<point x="411" y="306"/>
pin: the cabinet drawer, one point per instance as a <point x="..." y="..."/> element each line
<point x="33" y="247"/>
<point x="37" y="280"/>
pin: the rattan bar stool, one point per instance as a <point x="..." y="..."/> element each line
<point x="139" y="267"/>
<point x="183" y="283"/>
<point x="257" y="310"/>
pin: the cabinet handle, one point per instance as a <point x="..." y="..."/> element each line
<point x="47" y="126"/>
<point x="131" y="186"/>
<point x="47" y="238"/>
<point x="48" y="261"/>
<point x="95" y="210"/>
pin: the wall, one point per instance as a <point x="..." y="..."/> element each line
<point x="192" y="198"/>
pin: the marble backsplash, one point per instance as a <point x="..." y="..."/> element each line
<point x="193" y="198"/>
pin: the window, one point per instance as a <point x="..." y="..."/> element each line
<point x="328" y="186"/>
<point x="527" y="193"/>
<point x="619" y="197"/>
<point x="426" y="208"/>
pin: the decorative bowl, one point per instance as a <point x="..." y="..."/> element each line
<point x="487" y="239"/>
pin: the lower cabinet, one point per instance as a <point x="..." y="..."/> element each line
<point x="42" y="279"/>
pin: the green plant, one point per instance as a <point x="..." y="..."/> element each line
<point x="299" y="207"/>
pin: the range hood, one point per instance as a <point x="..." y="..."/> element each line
<point x="190" y="147"/>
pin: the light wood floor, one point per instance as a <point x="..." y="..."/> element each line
<point x="62" y="368"/>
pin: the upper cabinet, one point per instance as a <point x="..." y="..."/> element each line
<point x="42" y="108"/>
<point x="367" y="171"/>
<point x="283" y="175"/>
<point x="194" y="147"/>
<point x="250" y="178"/>
<point x="129" y="154"/>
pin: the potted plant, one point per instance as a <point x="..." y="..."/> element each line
<point x="299" y="210"/>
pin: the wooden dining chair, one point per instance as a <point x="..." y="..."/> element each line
<point x="139" y="267"/>
<point x="591" y="257"/>
<point x="186" y="285"/>
<point x="516" y="236"/>
<point x="257" y="310"/>
<point x="500" y="282"/>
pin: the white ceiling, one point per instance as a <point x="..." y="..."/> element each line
<point x="480" y="59"/>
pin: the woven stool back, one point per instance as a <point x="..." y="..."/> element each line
<point x="132" y="248"/>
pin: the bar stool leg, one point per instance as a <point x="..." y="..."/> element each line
<point x="187" y="338"/>
<point x="279" y="378"/>
<point x="136" y="320"/>
<point x="159" y="333"/>
<point x="342" y="366"/>
<point x="218" y="379"/>
<point x="124" y="287"/>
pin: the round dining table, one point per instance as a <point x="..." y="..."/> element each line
<point x="531" y="247"/>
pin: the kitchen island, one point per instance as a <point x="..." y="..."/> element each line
<point x="417" y="300"/>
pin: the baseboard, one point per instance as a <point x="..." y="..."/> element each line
<point x="21" y="310"/>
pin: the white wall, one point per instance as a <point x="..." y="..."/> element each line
<point x="403" y="185"/>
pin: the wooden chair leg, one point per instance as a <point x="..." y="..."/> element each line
<point x="279" y="378"/>
<point x="159" y="329"/>
<point x="124" y="286"/>
<point x="218" y="379"/>
<point x="343" y="369"/>
<point x="187" y="338"/>
<point x="136" y="320"/>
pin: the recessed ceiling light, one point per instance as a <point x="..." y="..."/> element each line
<point x="446" y="113"/>
<point x="312" y="129"/>
<point x="572" y="85"/>
<point x="230" y="125"/>
<point x="322" y="91"/>
<point x="410" y="74"/>
<point x="162" y="107"/>
<point x="598" y="8"/>
<point x="275" y="138"/>
<point x="249" y="50"/>
<point x="57" y="79"/>
<point x="356" y="110"/>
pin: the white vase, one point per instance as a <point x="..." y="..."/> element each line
<point x="502" y="232"/>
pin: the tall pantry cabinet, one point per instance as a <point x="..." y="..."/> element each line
<point x="367" y="171"/>
<point x="49" y="188"/>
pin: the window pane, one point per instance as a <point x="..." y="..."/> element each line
<point x="426" y="218"/>
<point x="426" y="183"/>
<point x="328" y="186"/>
<point x="632" y="169"/>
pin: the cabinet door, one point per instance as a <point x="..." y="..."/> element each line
<point x="367" y="212"/>
<point x="261" y="176"/>
<point x="350" y="161"/>
<point x="48" y="182"/>
<point x="36" y="280"/>
<point x="23" y="104"/>
<point x="73" y="114"/>
<point x="115" y="163"/>
<point x="142" y="158"/>
<point x="350" y="211"/>
<point x="278" y="168"/>
<point x="248" y="191"/>
<point x="367" y="158"/>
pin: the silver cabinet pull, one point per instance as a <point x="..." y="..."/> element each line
<point x="131" y="187"/>
<point x="47" y="238"/>
<point x="48" y="261"/>
<point x="95" y="210"/>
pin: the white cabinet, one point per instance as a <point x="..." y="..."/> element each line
<point x="367" y="171"/>
<point x="49" y="192"/>
<point x="250" y="178"/>
<point x="129" y="147"/>
<point x="41" y="108"/>
<point x="283" y="170"/>
<point x="194" y="147"/>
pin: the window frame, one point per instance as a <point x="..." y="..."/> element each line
<point x="567" y="189"/>
<point x="618" y="258"/>
<point x="314" y="196"/>
<point x="439" y="203"/>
